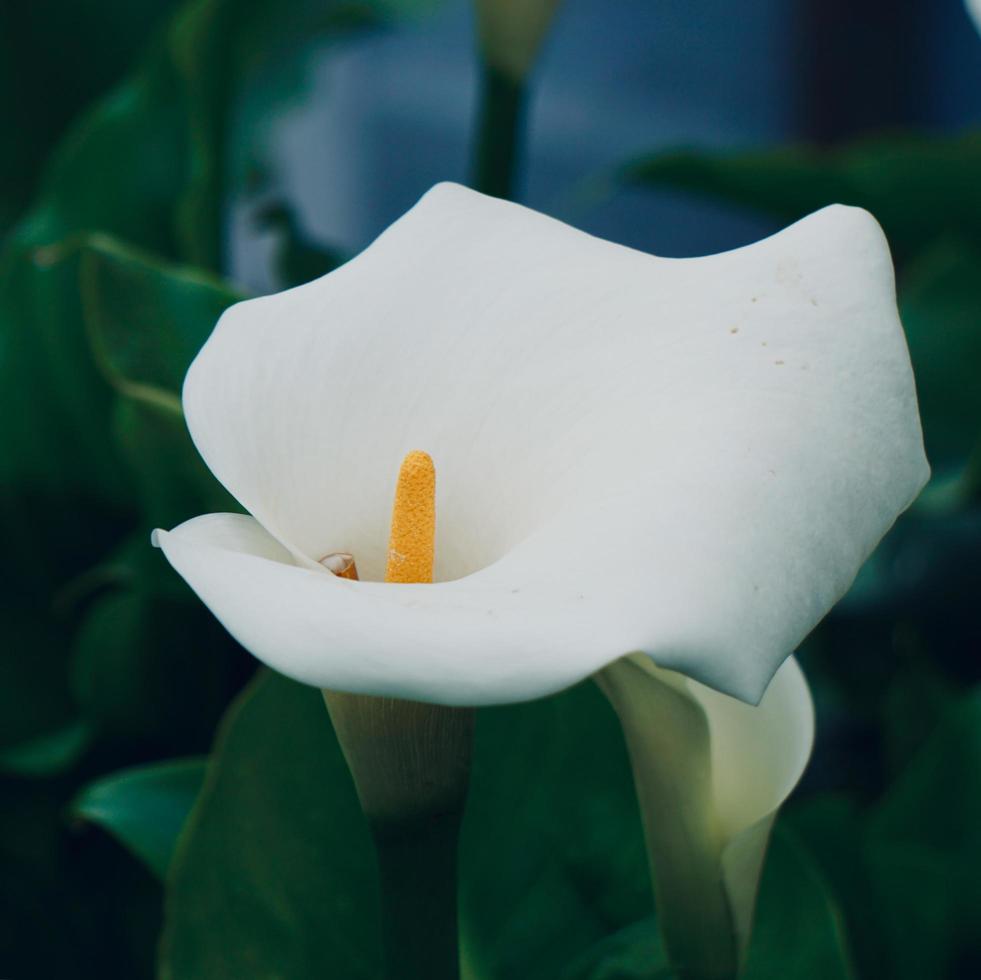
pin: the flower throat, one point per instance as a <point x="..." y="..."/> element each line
<point x="411" y="542"/>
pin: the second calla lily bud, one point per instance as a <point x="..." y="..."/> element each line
<point x="511" y="32"/>
<point x="710" y="773"/>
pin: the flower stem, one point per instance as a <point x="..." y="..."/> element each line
<point x="411" y="767"/>
<point x="499" y="138"/>
<point x="417" y="866"/>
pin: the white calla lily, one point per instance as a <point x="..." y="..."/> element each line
<point x="685" y="458"/>
<point x="711" y="773"/>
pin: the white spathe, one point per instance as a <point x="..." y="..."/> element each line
<point x="686" y="458"/>
<point x="711" y="774"/>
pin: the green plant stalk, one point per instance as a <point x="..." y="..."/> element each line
<point x="411" y="767"/>
<point x="500" y="132"/>
<point x="417" y="871"/>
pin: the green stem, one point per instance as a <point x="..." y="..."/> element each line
<point x="411" y="767"/>
<point x="417" y="866"/>
<point x="500" y="125"/>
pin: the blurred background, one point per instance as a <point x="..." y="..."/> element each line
<point x="162" y="160"/>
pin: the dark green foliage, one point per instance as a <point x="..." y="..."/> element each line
<point x="107" y="660"/>
<point x="55" y="58"/>
<point x="145" y="807"/>
<point x="276" y="871"/>
<point x="941" y="309"/>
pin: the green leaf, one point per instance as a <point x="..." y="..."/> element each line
<point x="292" y="887"/>
<point x="174" y="484"/>
<point x="941" y="308"/>
<point x="93" y="46"/>
<point x="635" y="952"/>
<point x="798" y="931"/>
<point x="919" y="187"/>
<point x="275" y="875"/>
<point x="276" y="870"/>
<point x="73" y="905"/>
<point x="832" y="828"/>
<point x="906" y="870"/>
<point x="889" y="892"/>
<point x="151" y="668"/>
<point x="56" y="438"/>
<point x="144" y="808"/>
<point x="927" y="825"/>
<point x="48" y="754"/>
<point x="34" y="700"/>
<point x="553" y="857"/>
<point x="911" y="622"/>
<point x="123" y="166"/>
<point x="147" y="319"/>
<point x="158" y="160"/>
<point x="947" y="770"/>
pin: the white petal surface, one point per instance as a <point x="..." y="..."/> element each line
<point x="708" y="808"/>
<point x="374" y="638"/>
<point x="689" y="458"/>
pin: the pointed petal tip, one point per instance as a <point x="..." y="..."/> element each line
<point x="925" y="475"/>
<point x="848" y="222"/>
<point x="849" y="212"/>
<point x="448" y="189"/>
<point x="453" y="199"/>
<point x="743" y="673"/>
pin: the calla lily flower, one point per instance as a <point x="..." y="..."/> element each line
<point x="711" y="773"/>
<point x="660" y="473"/>
<point x="687" y="459"/>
